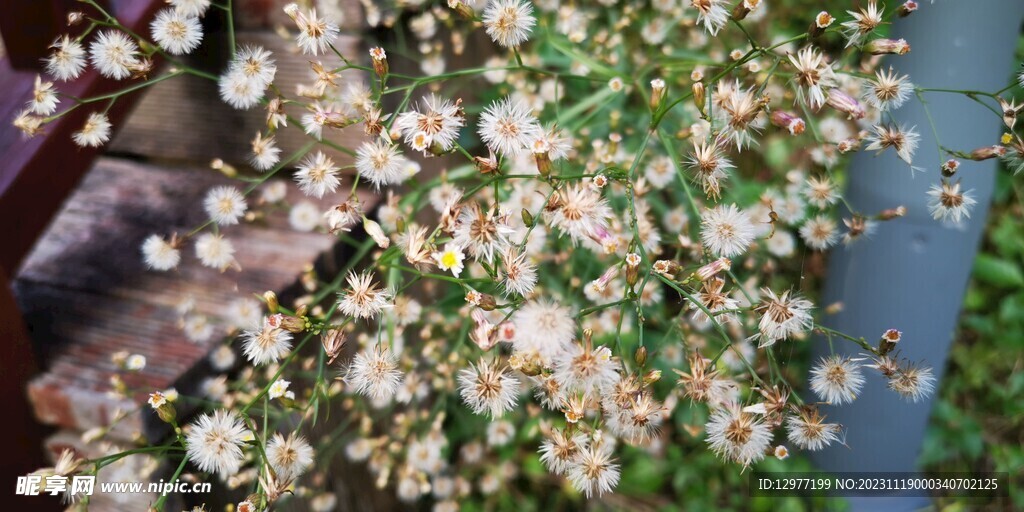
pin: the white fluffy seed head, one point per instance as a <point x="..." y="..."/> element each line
<point x="215" y="251"/>
<point x="317" y="175"/>
<point x="266" y="344"/>
<point x="224" y="205"/>
<point x="508" y="126"/>
<point x="738" y="436"/>
<point x="289" y="456"/>
<point x="836" y="379"/>
<point x="487" y="389"/>
<point x="160" y="254"/>
<point x="509" y="22"/>
<point x="67" y="60"/>
<point x="594" y="470"/>
<point x="380" y="163"/>
<point x="374" y="373"/>
<point x="176" y="32"/>
<point x="95" y="132"/>
<point x="113" y="53"/>
<point x="726" y="230"/>
<point x="215" y="443"/>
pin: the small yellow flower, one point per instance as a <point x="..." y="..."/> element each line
<point x="451" y="259"/>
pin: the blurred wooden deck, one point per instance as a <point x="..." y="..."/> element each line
<point x="87" y="295"/>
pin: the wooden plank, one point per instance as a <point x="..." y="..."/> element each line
<point x="87" y="295"/>
<point x="184" y="119"/>
<point x="269" y="14"/>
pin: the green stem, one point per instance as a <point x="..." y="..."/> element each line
<point x="228" y="10"/>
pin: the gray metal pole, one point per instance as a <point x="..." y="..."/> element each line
<point x="912" y="274"/>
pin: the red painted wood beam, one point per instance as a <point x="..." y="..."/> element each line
<point x="24" y="453"/>
<point x="37" y="174"/>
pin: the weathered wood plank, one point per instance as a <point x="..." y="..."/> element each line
<point x="269" y="14"/>
<point x="184" y="119"/>
<point x="86" y="294"/>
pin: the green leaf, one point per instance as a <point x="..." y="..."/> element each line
<point x="998" y="272"/>
<point x="642" y="478"/>
<point x="1006" y="235"/>
<point x="974" y="300"/>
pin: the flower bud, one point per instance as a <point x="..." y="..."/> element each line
<point x="788" y="121"/>
<point x="485" y="165"/>
<point x="292" y="324"/>
<point x="75" y="17"/>
<point x="117" y="385"/>
<point x="908" y="7"/>
<point x="527" y="217"/>
<point x="988" y="152"/>
<point x="743" y="9"/>
<point x="613" y="142"/>
<point x="632" y="269"/>
<point x="666" y="268"/>
<point x="822" y="21"/>
<point x="893" y="213"/>
<point x="484" y="335"/>
<point x="657" y="93"/>
<point x="271" y="299"/>
<point x="333" y="341"/>
<point x="888" y="341"/>
<point x="700" y="97"/>
<point x="374" y="230"/>
<point x="949" y="167"/>
<point x="712" y="269"/>
<point x="462" y="9"/>
<point x="652" y="376"/>
<point x="887" y="47"/>
<point x="163" y="407"/>
<point x="481" y="300"/>
<point x="845" y="103"/>
<point x="487" y="302"/>
<point x="380" y="61"/>
<point x="530" y="364"/>
<point x="541" y="155"/>
<point x="640" y="356"/>
<point x="225" y="168"/>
